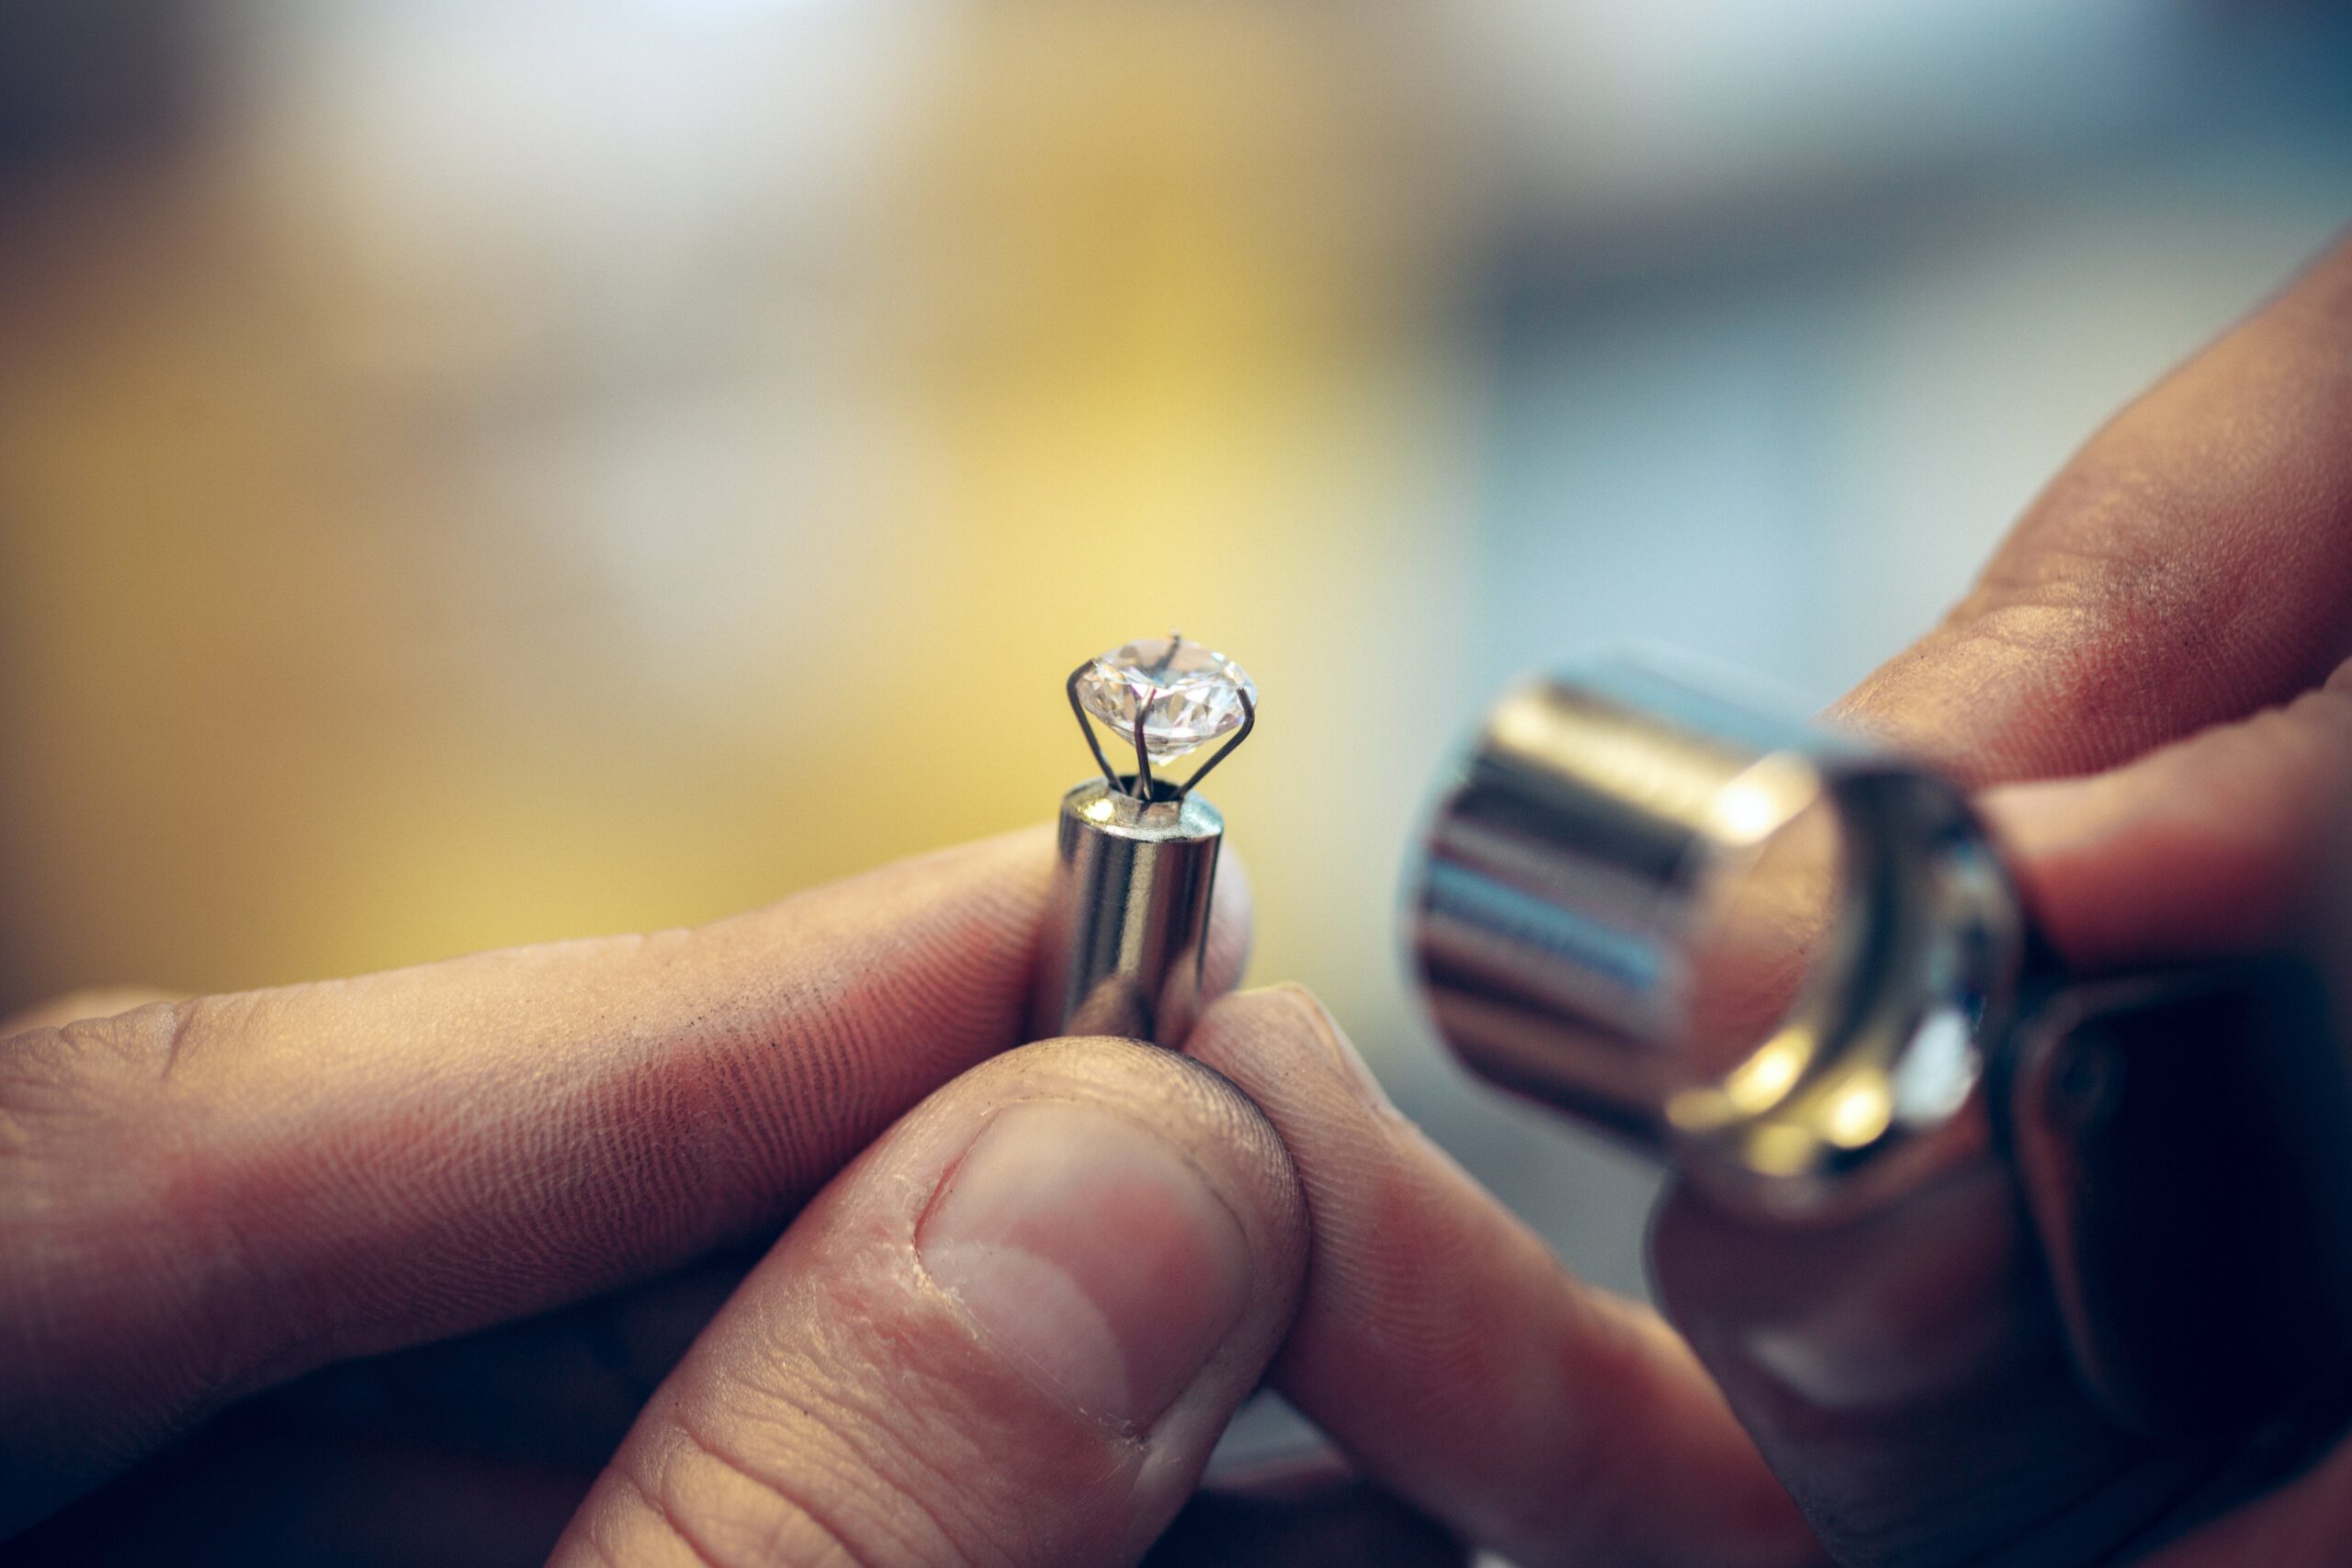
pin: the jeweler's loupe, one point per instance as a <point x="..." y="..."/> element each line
<point x="1794" y="967"/>
<point x="1772" y="953"/>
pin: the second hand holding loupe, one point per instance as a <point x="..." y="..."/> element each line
<point x="1998" y="1264"/>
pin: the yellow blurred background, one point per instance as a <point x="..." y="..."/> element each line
<point x="469" y="498"/>
<point x="475" y="473"/>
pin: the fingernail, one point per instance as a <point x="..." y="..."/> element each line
<point x="1092" y="1253"/>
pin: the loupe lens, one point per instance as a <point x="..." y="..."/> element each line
<point x="1753" y="946"/>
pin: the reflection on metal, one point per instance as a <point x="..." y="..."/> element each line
<point x="1127" y="923"/>
<point x="1572" y="924"/>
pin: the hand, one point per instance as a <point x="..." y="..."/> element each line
<point x="2149" y="682"/>
<point x="2171" y="621"/>
<point x="1005" y="1325"/>
<point x="420" y="1169"/>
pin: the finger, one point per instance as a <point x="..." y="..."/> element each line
<point x="1906" y="1370"/>
<point x="1905" y="1374"/>
<point x="2226" y="843"/>
<point x="210" y="1196"/>
<point x="95" y="1002"/>
<point x="2306" y="1524"/>
<point x="1443" y="1347"/>
<point x="2234" y="840"/>
<point x="1008" y="1333"/>
<point x="562" y="1388"/>
<point x="2191" y="564"/>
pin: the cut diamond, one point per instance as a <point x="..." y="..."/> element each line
<point x="1187" y="695"/>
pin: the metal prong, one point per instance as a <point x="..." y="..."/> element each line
<point x="1086" y="726"/>
<point x="1249" y="722"/>
<point x="1175" y="646"/>
<point x="1143" y="756"/>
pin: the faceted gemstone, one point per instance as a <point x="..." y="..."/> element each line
<point x="1187" y="695"/>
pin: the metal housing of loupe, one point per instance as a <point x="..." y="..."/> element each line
<point x="1569" y="868"/>
<point x="2174" y="1146"/>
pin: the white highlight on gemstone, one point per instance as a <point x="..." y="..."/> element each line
<point x="1186" y="695"/>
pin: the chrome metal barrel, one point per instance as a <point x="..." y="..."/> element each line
<point x="1774" y="951"/>
<point x="1127" y="923"/>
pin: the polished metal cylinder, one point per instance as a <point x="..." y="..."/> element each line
<point x="1127" y="922"/>
<point x="1914" y="1159"/>
<point x="1589" y="930"/>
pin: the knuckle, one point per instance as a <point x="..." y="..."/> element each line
<point x="83" y="1104"/>
<point x="81" y="1184"/>
<point x="825" y="1506"/>
<point x="95" y="1151"/>
<point x="852" y="1421"/>
<point x="92" y="1064"/>
<point x="69" y="1093"/>
<point x="875" y="1445"/>
<point x="36" y="1072"/>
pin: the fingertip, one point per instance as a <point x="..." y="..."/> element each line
<point x="1441" y="1346"/>
<point x="1262" y="1036"/>
<point x="2224" y="843"/>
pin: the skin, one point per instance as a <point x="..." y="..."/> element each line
<point x="456" y="1261"/>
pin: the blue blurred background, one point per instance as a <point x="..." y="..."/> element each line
<point x="474" y="472"/>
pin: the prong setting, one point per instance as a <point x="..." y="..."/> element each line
<point x="1167" y="698"/>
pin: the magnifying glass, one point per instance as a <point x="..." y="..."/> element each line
<point x="1795" y="968"/>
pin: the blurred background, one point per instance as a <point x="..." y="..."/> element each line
<point x="477" y="471"/>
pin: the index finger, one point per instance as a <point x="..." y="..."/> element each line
<point x="206" y="1197"/>
<point x="2191" y="564"/>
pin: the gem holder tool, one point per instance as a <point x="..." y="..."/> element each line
<point x="1127" y="923"/>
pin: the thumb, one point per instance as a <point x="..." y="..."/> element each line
<point x="1009" y="1333"/>
<point x="2233" y="840"/>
